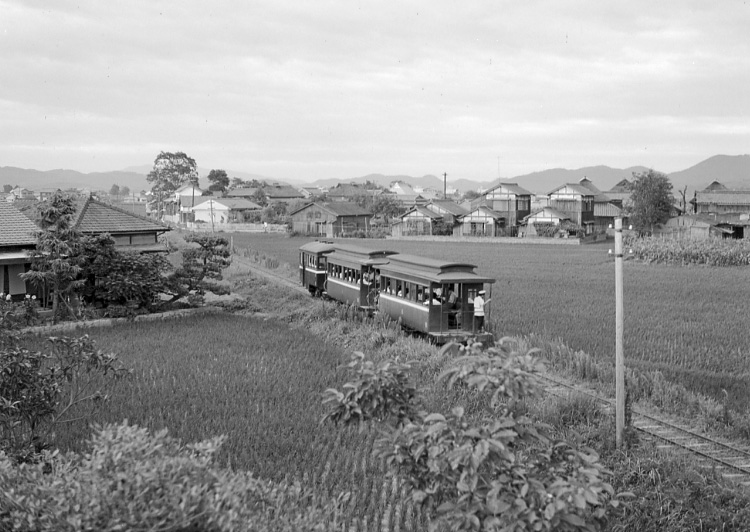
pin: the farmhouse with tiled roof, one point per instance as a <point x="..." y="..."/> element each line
<point x="338" y="218"/>
<point x="717" y="199"/>
<point x="17" y="236"/>
<point x="129" y="231"/>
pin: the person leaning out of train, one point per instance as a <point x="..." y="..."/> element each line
<point x="479" y="304"/>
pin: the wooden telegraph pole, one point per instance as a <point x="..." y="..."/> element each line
<point x="619" y="354"/>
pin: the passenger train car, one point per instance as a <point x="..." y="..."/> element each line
<point x="313" y="265"/>
<point x="429" y="296"/>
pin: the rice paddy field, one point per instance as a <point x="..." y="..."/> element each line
<point x="691" y="323"/>
<point x="260" y="384"/>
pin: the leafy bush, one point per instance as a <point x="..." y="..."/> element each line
<point x="39" y="390"/>
<point x="546" y="229"/>
<point x="201" y="266"/>
<point x="500" y="471"/>
<point x="120" y="278"/>
<point x="137" y="481"/>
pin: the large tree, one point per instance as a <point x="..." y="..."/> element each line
<point x="651" y="200"/>
<point x="171" y="171"/>
<point x="219" y="181"/>
<point x="115" y="190"/>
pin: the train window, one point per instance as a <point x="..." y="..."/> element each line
<point x="301" y="259"/>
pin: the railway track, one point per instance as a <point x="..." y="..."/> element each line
<point x="730" y="460"/>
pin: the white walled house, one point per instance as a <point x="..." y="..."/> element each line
<point x="223" y="210"/>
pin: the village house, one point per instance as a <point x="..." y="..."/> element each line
<point x="244" y="192"/>
<point x="349" y="192"/>
<point x="17" y="238"/>
<point x="574" y="201"/>
<point x="331" y="220"/>
<point x="483" y="221"/>
<point x="434" y="217"/>
<point x="417" y="221"/>
<point x="544" y="217"/>
<point x="282" y="194"/>
<point x="605" y="208"/>
<point x="718" y="199"/>
<point x="177" y="209"/>
<point x="223" y="210"/>
<point x="130" y="231"/>
<point x="20" y="193"/>
<point x="508" y="200"/>
<point x="705" y="226"/>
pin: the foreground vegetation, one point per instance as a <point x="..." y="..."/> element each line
<point x="259" y="380"/>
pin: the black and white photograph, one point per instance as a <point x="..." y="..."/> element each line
<point x="387" y="266"/>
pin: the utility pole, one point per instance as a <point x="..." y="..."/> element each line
<point x="445" y="185"/>
<point x="211" y="206"/>
<point x="619" y="352"/>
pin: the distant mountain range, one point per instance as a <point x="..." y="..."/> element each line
<point x="731" y="170"/>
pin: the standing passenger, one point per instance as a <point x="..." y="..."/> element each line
<point x="479" y="304"/>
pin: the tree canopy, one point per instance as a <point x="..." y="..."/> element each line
<point x="651" y="200"/>
<point x="219" y="181"/>
<point x="171" y="171"/>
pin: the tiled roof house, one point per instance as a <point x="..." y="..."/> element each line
<point x="17" y="236"/>
<point x="129" y="231"/>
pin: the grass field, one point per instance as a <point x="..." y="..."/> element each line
<point x="691" y="323"/>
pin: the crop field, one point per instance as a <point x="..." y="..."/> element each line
<point x="261" y="386"/>
<point x="691" y="323"/>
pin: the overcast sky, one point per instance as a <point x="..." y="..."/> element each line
<point x="318" y="89"/>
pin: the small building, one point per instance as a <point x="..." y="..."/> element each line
<point x="223" y="210"/>
<point x="544" y="217"/>
<point x="282" y="194"/>
<point x="347" y="192"/>
<point x="717" y="199"/>
<point x="17" y="238"/>
<point x="483" y="221"/>
<point x="334" y="219"/>
<point x="576" y="202"/>
<point x="448" y="209"/>
<point x="417" y="221"/>
<point x="704" y="226"/>
<point x="245" y="192"/>
<point x="130" y="231"/>
<point x="511" y="201"/>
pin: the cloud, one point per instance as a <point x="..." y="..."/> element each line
<point x="349" y="88"/>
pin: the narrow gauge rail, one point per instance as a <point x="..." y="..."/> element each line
<point x="732" y="462"/>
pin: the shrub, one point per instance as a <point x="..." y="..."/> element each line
<point x="137" y="481"/>
<point x="500" y="471"/>
<point x="39" y="390"/>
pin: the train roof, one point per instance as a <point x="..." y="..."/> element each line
<point x="433" y="269"/>
<point x="318" y="247"/>
<point x="358" y="255"/>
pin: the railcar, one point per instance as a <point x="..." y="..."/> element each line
<point x="417" y="291"/>
<point x="352" y="274"/>
<point x="313" y="265"/>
